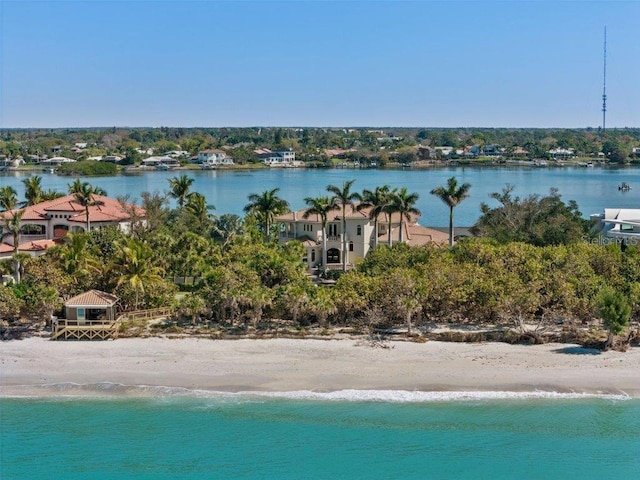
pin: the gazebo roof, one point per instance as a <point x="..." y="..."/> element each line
<point x="92" y="299"/>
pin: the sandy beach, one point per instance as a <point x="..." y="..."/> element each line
<point x="284" y="365"/>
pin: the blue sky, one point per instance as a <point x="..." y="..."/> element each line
<point x="317" y="63"/>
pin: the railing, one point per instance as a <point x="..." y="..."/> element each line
<point x="146" y="314"/>
<point x="85" y="329"/>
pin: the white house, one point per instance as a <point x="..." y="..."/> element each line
<point x="280" y="158"/>
<point x="359" y="234"/>
<point x="56" y="161"/>
<point x="213" y="158"/>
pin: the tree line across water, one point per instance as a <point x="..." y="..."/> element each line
<point x="313" y="144"/>
<point x="532" y="269"/>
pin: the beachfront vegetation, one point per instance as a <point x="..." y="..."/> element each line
<point x="528" y="276"/>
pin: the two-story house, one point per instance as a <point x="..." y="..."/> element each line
<point x="45" y="223"/>
<point x="280" y="158"/>
<point x="213" y="158"/>
<point x="360" y="234"/>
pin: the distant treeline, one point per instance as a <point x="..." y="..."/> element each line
<point x="311" y="144"/>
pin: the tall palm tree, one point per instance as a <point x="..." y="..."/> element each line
<point x="180" y="188"/>
<point x="265" y="207"/>
<point x="452" y="195"/>
<point x="8" y="198"/>
<point x="11" y="224"/>
<point x="345" y="197"/>
<point x="33" y="189"/>
<point x="321" y="206"/>
<point x="85" y="194"/>
<point x="403" y="203"/>
<point x="134" y="263"/>
<point x="377" y="201"/>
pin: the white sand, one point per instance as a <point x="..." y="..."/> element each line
<point x="283" y="365"/>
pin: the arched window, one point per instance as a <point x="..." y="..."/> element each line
<point x="333" y="255"/>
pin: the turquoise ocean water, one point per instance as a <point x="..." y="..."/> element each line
<point x="235" y="437"/>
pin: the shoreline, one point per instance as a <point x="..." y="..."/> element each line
<point x="312" y="369"/>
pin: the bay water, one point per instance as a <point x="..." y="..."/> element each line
<point x="592" y="188"/>
<point x="244" y="436"/>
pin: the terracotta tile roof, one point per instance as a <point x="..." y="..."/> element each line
<point x="36" y="245"/>
<point x="92" y="298"/>
<point x="6" y="248"/>
<point x="110" y="211"/>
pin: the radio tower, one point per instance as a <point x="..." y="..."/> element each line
<point x="604" y="84"/>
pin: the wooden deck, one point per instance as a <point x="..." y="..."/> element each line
<point x="102" y="329"/>
<point x="85" y="330"/>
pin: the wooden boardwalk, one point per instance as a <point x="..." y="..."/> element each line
<point x="101" y="329"/>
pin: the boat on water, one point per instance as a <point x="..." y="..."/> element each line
<point x="624" y="187"/>
<point x="539" y="163"/>
<point x="162" y="167"/>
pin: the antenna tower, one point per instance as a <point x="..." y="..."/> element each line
<point x="604" y="84"/>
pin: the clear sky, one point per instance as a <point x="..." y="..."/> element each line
<point x="317" y="63"/>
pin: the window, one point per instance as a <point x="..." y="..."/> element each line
<point x="359" y="230"/>
<point x="333" y="229"/>
<point x="351" y="246"/>
<point x="313" y="255"/>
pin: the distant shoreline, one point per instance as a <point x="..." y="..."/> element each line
<point x="39" y="367"/>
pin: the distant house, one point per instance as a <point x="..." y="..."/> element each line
<point x="280" y="158"/>
<point x="359" y="234"/>
<point x="48" y="222"/>
<point x="562" y="153"/>
<point x="56" y="161"/>
<point x="160" y="161"/>
<point x="213" y="158"/>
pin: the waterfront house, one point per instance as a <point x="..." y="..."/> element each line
<point x="48" y="222"/>
<point x="212" y="158"/>
<point x="280" y="158"/>
<point x="360" y="234"/>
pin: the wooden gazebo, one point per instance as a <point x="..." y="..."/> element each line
<point x="89" y="316"/>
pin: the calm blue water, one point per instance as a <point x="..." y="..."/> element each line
<point x="593" y="188"/>
<point x="225" y="438"/>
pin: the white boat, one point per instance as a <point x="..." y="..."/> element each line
<point x="162" y="166"/>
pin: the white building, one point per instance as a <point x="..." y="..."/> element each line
<point x="280" y="158"/>
<point x="213" y="158"/>
<point x="618" y="225"/>
<point x="359" y="234"/>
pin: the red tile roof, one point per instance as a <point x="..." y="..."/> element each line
<point x="110" y="211"/>
<point x="92" y="298"/>
<point x="36" y="245"/>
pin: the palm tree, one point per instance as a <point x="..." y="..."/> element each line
<point x="452" y="195"/>
<point x="265" y="207"/>
<point x="33" y="189"/>
<point x="346" y="197"/>
<point x="51" y="194"/>
<point x="8" y="198"/>
<point x="377" y="201"/>
<point x="134" y="264"/>
<point x="11" y="224"/>
<point x="180" y="187"/>
<point x="321" y="206"/>
<point x="402" y="202"/>
<point x="85" y="194"/>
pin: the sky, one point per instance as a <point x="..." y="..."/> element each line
<point x="318" y="63"/>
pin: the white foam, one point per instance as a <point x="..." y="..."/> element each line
<point x="110" y="390"/>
